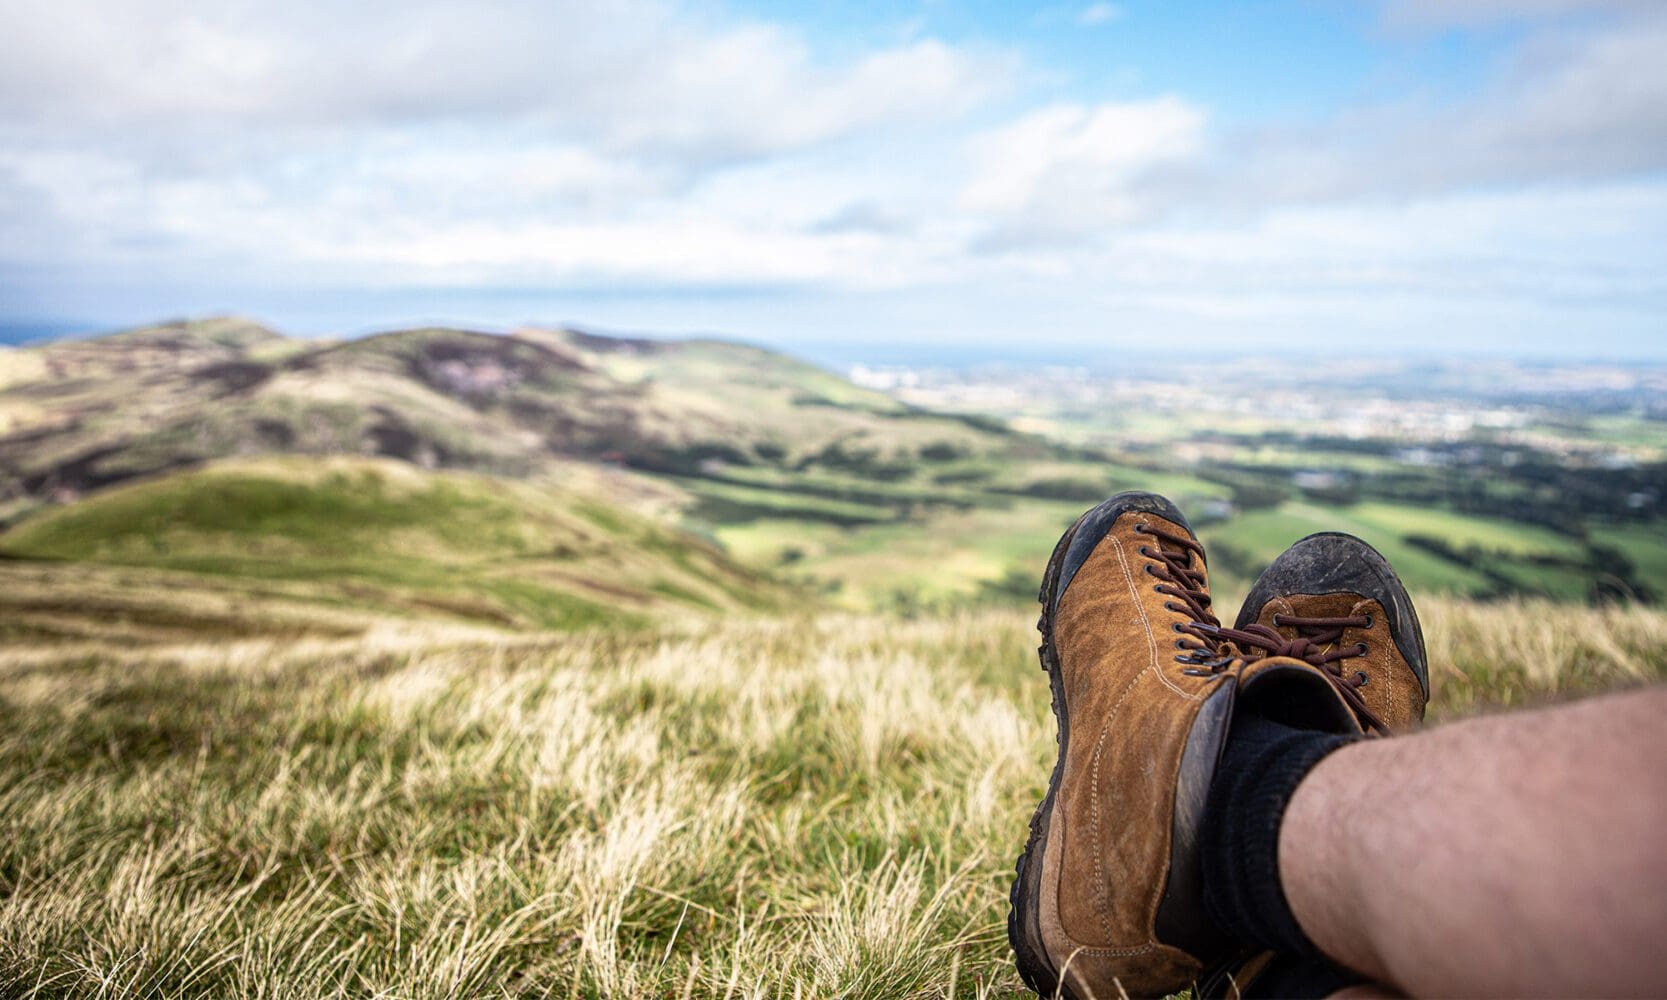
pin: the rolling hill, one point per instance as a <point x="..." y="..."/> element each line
<point x="370" y="534"/>
<point x="792" y="471"/>
<point x="747" y="447"/>
<point x="78" y="415"/>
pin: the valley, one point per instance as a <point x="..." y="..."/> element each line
<point x="945" y="490"/>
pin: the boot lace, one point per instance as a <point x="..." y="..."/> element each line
<point x="1178" y="562"/>
<point x="1317" y="643"/>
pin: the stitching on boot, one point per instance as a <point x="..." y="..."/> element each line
<point x="1151" y="640"/>
<point x="1101" y="906"/>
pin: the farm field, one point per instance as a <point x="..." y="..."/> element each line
<point x="798" y="475"/>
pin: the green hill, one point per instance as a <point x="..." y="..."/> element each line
<point x="79" y="415"/>
<point x="387" y="535"/>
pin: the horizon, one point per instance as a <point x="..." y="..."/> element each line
<point x="1050" y="182"/>
<point x="843" y="358"/>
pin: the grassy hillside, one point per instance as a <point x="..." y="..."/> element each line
<point x="79" y="415"/>
<point x="387" y="536"/>
<point x="811" y="806"/>
<point x="797" y="472"/>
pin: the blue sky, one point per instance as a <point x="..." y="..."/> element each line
<point x="930" y="181"/>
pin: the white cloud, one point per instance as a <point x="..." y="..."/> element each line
<point x="1570" y="106"/>
<point x="1068" y="169"/>
<point x="633" y="144"/>
<point x="513" y="141"/>
<point x="1099" y="13"/>
<point x="630" y="76"/>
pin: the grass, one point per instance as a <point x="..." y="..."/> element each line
<point x="1259" y="536"/>
<point x="939" y="557"/>
<point x="943" y="558"/>
<point x="817" y="806"/>
<point x="886" y="552"/>
<point x="383" y="533"/>
<point x="1465" y="530"/>
<point x="749" y="808"/>
<point x="1643" y="545"/>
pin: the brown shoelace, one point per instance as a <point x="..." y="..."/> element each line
<point x="1175" y="565"/>
<point x="1318" y="643"/>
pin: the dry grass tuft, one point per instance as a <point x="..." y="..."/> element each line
<point x="814" y="807"/>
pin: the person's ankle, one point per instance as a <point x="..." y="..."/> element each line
<point x="1261" y="767"/>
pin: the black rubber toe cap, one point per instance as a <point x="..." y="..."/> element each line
<point x="1093" y="526"/>
<point x="1333" y="562"/>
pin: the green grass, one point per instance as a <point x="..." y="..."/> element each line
<point x="1261" y="535"/>
<point x="1648" y="436"/>
<point x="383" y="533"/>
<point x="1645" y="546"/>
<point x="354" y="511"/>
<point x="1506" y="550"/>
<point x="941" y="558"/>
<point x="935" y="557"/>
<point x="813" y="806"/>
<point x="1464" y="530"/>
<point x="727" y="503"/>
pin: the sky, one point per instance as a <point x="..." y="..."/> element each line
<point x="930" y="181"/>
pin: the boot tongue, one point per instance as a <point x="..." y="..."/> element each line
<point x="1297" y="694"/>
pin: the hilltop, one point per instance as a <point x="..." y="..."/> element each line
<point x="83" y="414"/>
<point x="773" y="459"/>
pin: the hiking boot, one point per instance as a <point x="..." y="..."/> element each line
<point x="1107" y="899"/>
<point x="1329" y="609"/>
<point x="1332" y="601"/>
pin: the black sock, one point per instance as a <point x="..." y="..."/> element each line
<point x="1260" y="769"/>
<point x="1289" y="977"/>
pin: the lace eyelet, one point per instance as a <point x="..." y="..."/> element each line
<point x="1143" y="550"/>
<point x="1364" y="649"/>
<point x="1275" y="620"/>
<point x="1175" y="626"/>
<point x="1368" y="624"/>
<point x="1172" y="606"/>
<point x="1150" y="571"/>
<point x="1142" y="528"/>
<point x="1361" y="678"/>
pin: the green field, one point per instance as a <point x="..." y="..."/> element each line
<point x="949" y="557"/>
<point x="386" y="534"/>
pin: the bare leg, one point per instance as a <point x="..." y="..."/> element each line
<point x="1524" y="854"/>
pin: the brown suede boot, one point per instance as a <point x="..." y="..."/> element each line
<point x="1107" y="899"/>
<point x="1332" y="601"/>
<point x="1332" y="604"/>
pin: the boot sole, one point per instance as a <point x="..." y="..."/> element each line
<point x="1024" y="930"/>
